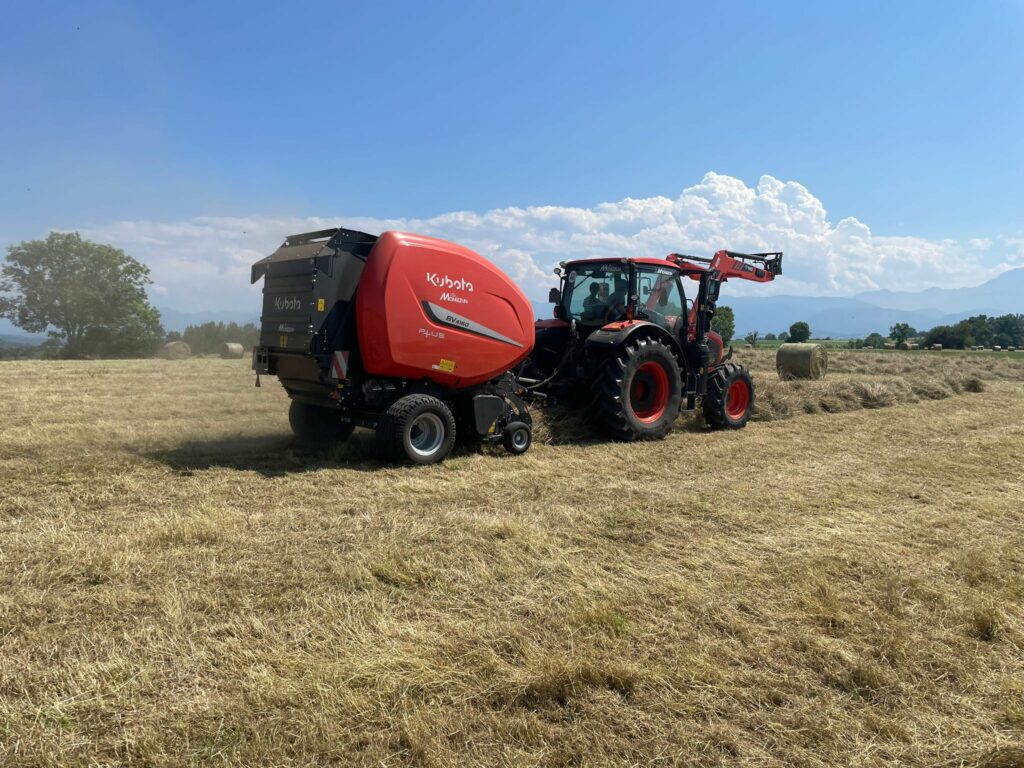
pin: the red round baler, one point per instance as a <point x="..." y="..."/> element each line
<point x="411" y="336"/>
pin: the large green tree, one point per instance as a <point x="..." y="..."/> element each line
<point x="799" y="331"/>
<point x="91" y="297"/>
<point x="901" y="332"/>
<point x="724" y="323"/>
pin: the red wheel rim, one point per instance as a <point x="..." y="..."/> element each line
<point x="648" y="392"/>
<point x="737" y="399"/>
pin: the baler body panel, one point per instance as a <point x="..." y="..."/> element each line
<point x="308" y="291"/>
<point x="431" y="309"/>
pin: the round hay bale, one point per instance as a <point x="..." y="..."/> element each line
<point x="889" y="345"/>
<point x="175" y="350"/>
<point x="801" y="361"/>
<point x="937" y="347"/>
<point x="232" y="350"/>
<point x="902" y="345"/>
<point x="997" y="348"/>
<point x="913" y="345"/>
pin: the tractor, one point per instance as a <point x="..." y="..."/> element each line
<point x="625" y="337"/>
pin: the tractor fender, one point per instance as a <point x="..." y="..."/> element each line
<point x="614" y="335"/>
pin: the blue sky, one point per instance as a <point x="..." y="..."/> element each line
<point x="907" y="117"/>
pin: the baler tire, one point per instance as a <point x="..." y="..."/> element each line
<point x="313" y="424"/>
<point x="729" y="401"/>
<point x="617" y="389"/>
<point x="413" y="419"/>
<point x="517" y="438"/>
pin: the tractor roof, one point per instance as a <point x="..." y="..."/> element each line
<point x="632" y="259"/>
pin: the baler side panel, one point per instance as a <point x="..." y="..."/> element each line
<point x="430" y="309"/>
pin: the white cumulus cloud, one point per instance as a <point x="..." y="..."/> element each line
<point x="202" y="264"/>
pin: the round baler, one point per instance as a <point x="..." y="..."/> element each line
<point x="411" y="336"/>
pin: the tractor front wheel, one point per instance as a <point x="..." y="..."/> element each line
<point x="730" y="397"/>
<point x="639" y="390"/>
<point x="314" y="424"/>
<point x="416" y="428"/>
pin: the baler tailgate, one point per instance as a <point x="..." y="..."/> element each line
<point x="309" y="284"/>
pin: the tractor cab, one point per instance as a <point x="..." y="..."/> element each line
<point x="594" y="293"/>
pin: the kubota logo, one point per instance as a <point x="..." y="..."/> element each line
<point x="443" y="281"/>
<point x="293" y="303"/>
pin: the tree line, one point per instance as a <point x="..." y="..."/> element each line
<point x="206" y="339"/>
<point x="90" y="299"/>
<point x="724" y="324"/>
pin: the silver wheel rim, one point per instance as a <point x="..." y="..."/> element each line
<point x="426" y="434"/>
<point x="519" y="439"/>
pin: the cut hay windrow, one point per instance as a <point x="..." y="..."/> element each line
<point x="857" y="382"/>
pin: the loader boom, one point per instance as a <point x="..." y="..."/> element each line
<point x="759" y="267"/>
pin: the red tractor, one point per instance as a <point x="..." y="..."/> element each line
<point x="625" y="334"/>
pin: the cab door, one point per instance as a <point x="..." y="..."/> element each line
<point x="661" y="300"/>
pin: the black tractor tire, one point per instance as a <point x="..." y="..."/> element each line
<point x="419" y="429"/>
<point x="639" y="390"/>
<point x="517" y="438"/>
<point x="730" y="397"/>
<point x="313" y="424"/>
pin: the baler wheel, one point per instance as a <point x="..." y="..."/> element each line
<point x="639" y="390"/>
<point x="416" y="428"/>
<point x="517" y="438"/>
<point x="313" y="424"/>
<point x="730" y="397"/>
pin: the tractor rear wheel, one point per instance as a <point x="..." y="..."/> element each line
<point x="730" y="397"/>
<point x="314" y="424"/>
<point x="638" y="391"/>
<point x="416" y="428"/>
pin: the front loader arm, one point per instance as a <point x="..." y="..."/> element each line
<point x="759" y="267"/>
<point x="711" y="273"/>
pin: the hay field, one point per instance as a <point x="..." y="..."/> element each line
<point x="839" y="584"/>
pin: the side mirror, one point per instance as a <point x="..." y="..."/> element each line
<point x="558" y="310"/>
<point x="645" y="291"/>
<point x="555" y="296"/>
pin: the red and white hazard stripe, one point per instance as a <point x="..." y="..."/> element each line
<point x="339" y="366"/>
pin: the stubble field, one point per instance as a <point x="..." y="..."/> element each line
<point x="841" y="583"/>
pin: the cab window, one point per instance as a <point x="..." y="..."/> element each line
<point x="594" y="290"/>
<point x="660" y="297"/>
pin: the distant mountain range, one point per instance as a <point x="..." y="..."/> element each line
<point x="18" y="339"/>
<point x="864" y="313"/>
<point x="842" y="317"/>
<point x="836" y="316"/>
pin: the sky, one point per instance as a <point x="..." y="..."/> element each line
<point x="881" y="145"/>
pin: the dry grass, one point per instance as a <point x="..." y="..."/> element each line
<point x="181" y="584"/>
<point x="855" y="380"/>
